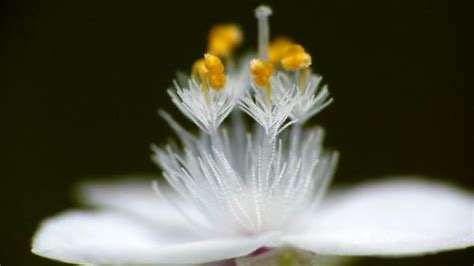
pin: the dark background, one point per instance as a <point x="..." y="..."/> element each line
<point x="81" y="82"/>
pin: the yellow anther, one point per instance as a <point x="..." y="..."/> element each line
<point x="278" y="49"/>
<point x="295" y="49"/>
<point x="296" y="58"/>
<point x="210" y="71"/>
<point x="217" y="81"/>
<point x="223" y="39"/>
<point x="213" y="64"/>
<point x="199" y="69"/>
<point x="215" y="71"/>
<point x="261" y="72"/>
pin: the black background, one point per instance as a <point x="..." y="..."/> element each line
<point x="81" y="82"/>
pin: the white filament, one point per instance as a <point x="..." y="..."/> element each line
<point x="207" y="115"/>
<point x="262" y="187"/>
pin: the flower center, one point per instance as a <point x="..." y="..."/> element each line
<point x="235" y="179"/>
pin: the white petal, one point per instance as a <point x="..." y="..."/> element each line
<point x="400" y="217"/>
<point x="112" y="238"/>
<point x="133" y="194"/>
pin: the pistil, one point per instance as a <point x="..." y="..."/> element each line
<point x="260" y="68"/>
<point x="262" y="13"/>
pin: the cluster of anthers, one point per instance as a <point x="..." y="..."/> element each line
<point x="242" y="179"/>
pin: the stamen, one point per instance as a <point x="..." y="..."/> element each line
<point x="278" y="49"/>
<point x="296" y="59"/>
<point x="261" y="72"/>
<point x="210" y="71"/>
<point x="262" y="13"/>
<point x="216" y="71"/>
<point x="223" y="39"/>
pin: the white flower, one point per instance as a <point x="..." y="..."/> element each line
<point x="238" y="189"/>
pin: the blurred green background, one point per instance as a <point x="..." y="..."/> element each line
<point x="81" y="82"/>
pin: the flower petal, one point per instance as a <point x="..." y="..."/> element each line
<point x="132" y="194"/>
<point x="399" y="217"/>
<point x="112" y="238"/>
